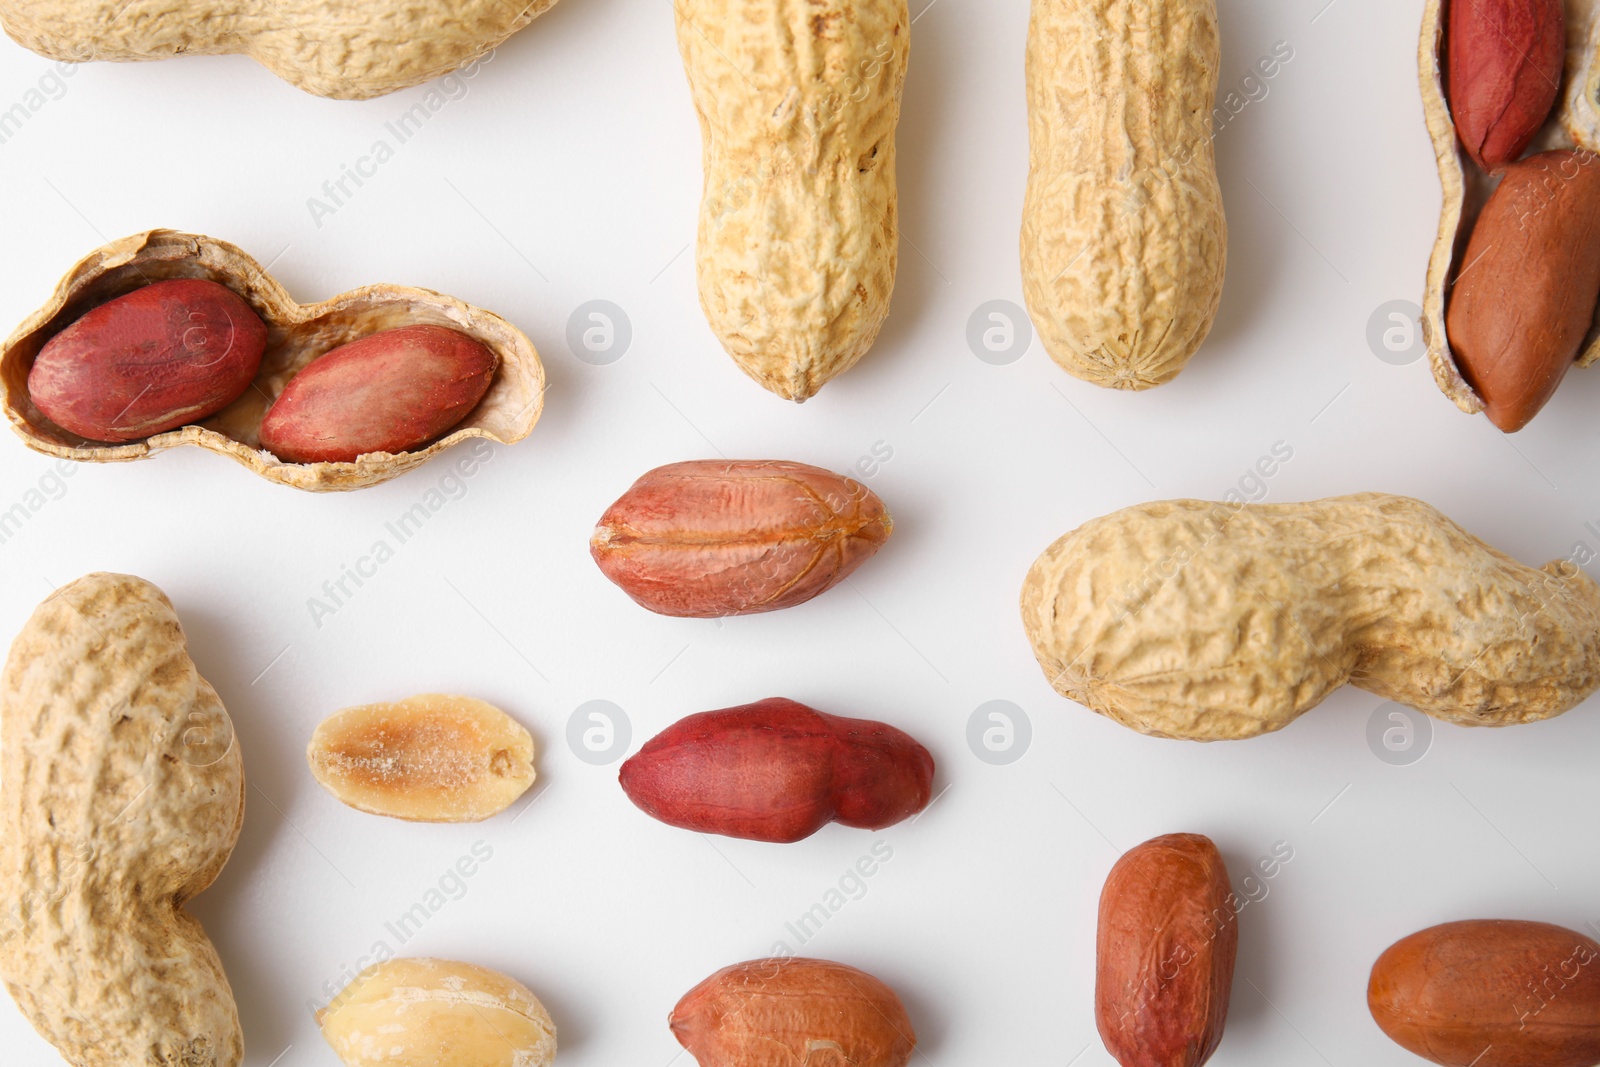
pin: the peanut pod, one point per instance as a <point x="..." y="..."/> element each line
<point x="297" y="335"/>
<point x="351" y="52"/>
<point x="799" y="218"/>
<point x="1124" y="242"/>
<point x="1215" y="621"/>
<point x="121" y="797"/>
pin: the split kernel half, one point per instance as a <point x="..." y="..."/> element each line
<point x="426" y="1012"/>
<point x="429" y="758"/>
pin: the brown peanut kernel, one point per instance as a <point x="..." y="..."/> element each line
<point x="788" y="1011"/>
<point x="1168" y="939"/>
<point x="389" y="392"/>
<point x="777" y="770"/>
<point x="165" y="355"/>
<point x="1492" y="993"/>
<point x="713" y="538"/>
<point x="1530" y="280"/>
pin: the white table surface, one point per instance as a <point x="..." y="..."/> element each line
<point x="567" y="171"/>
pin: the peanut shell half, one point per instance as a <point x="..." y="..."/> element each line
<point x="1574" y="123"/>
<point x="297" y="334"/>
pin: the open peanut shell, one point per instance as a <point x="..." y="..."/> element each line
<point x="1574" y="122"/>
<point x="297" y="334"/>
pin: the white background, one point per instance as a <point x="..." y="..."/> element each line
<point x="569" y="171"/>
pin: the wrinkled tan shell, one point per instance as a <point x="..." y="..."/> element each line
<point x="296" y="335"/>
<point x="429" y="1013"/>
<point x="1574" y="123"/>
<point x="1124" y="243"/>
<point x="429" y="758"/>
<point x="348" y="50"/>
<point x="121" y="797"/>
<point x="798" y="242"/>
<point x="1205" y="621"/>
